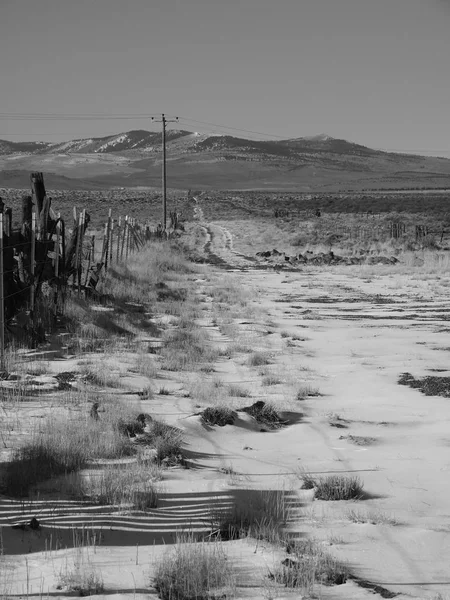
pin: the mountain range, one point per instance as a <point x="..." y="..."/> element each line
<point x="210" y="161"/>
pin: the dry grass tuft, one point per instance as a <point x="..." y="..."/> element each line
<point x="258" y="359"/>
<point x="265" y="414"/>
<point x="167" y="441"/>
<point x="130" y="486"/>
<point x="81" y="578"/>
<point x="271" y="380"/>
<point x="62" y="447"/>
<point x="218" y="415"/>
<point x="238" y="391"/>
<point x="194" y="571"/>
<point x="334" y="487"/>
<point x="207" y="391"/>
<point x="308" y="565"/>
<point x="262" y="514"/>
<point x="186" y="348"/>
<point x="374" y="517"/>
<point x="307" y="391"/>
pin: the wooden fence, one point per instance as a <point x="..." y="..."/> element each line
<point x="44" y="259"/>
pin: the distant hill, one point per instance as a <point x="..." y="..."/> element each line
<point x="205" y="161"/>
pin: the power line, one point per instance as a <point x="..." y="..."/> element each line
<point x="146" y="116"/>
<point x="47" y="133"/>
<point x="55" y="117"/>
<point x="91" y="114"/>
<point x="226" y="127"/>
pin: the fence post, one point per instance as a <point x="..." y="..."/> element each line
<point x="105" y="247"/>
<point x="111" y="237"/>
<point x="127" y="244"/>
<point x="119" y="226"/>
<point x="77" y="250"/>
<point x="58" y="241"/>
<point x="91" y="261"/>
<point x="131" y="236"/>
<point x="124" y="233"/>
<point x="2" y="302"/>
<point x="33" y="260"/>
<point x="80" y="248"/>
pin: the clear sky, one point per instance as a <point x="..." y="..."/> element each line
<point x="372" y="71"/>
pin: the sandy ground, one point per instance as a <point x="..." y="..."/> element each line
<point x="347" y="331"/>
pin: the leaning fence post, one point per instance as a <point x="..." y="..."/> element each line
<point x="105" y="251"/>
<point x="2" y="302"/>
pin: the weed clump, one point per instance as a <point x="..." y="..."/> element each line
<point x="309" y="565"/>
<point x="218" y="415"/>
<point x="193" y="571"/>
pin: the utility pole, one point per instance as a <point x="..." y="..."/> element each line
<point x="2" y="302"/>
<point x="164" y="121"/>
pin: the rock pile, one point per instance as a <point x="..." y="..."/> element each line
<point x="323" y="258"/>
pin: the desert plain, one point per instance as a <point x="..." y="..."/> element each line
<point x="351" y="360"/>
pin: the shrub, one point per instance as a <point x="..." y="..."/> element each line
<point x="193" y="571"/>
<point x="218" y="415"/>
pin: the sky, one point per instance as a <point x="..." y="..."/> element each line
<point x="376" y="72"/>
